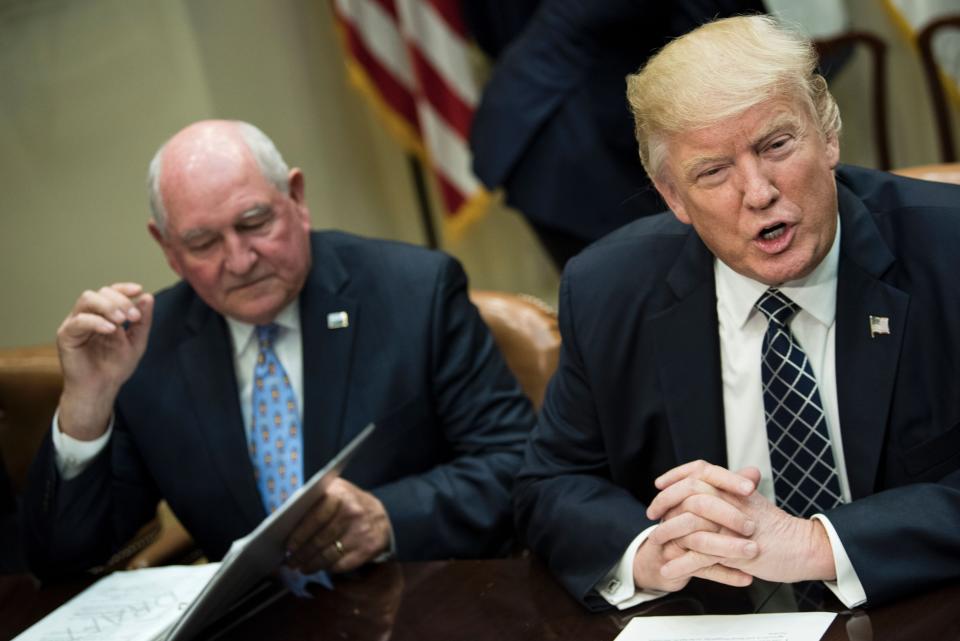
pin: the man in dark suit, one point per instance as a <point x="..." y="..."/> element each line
<point x="168" y="398"/>
<point x="694" y="430"/>
<point x="552" y="127"/>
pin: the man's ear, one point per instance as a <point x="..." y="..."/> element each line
<point x="669" y="194"/>
<point x="296" y="190"/>
<point x="833" y="150"/>
<point x="168" y="251"/>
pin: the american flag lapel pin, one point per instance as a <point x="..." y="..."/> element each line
<point x="339" y="320"/>
<point x="879" y="326"/>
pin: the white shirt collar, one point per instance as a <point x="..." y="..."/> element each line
<point x="242" y="333"/>
<point x="815" y="293"/>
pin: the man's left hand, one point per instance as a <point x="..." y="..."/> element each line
<point x="347" y="528"/>
<point x="789" y="549"/>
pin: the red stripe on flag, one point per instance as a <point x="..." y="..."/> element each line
<point x="449" y="10"/>
<point x="438" y="93"/>
<point x="392" y="92"/>
<point x="453" y="199"/>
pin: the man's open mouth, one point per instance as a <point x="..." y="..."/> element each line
<point x="773" y="231"/>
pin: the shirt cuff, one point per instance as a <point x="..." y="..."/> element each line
<point x="617" y="586"/>
<point x="72" y="455"/>
<point x="847" y="588"/>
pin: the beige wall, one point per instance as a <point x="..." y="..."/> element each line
<point x="91" y="87"/>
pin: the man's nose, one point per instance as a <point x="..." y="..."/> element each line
<point x="241" y="256"/>
<point x="759" y="191"/>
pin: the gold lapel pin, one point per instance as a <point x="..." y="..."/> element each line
<point x="879" y="326"/>
<point x="339" y="320"/>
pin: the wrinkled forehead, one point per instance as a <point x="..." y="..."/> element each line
<point x="218" y="179"/>
<point x="726" y="137"/>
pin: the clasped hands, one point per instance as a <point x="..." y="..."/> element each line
<point x="716" y="526"/>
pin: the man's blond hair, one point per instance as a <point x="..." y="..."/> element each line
<point x="720" y="70"/>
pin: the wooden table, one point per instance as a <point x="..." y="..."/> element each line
<point x="503" y="600"/>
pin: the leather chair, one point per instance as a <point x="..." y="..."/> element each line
<point x="526" y="331"/>
<point x="30" y="385"/>
<point x="944" y="173"/>
<point x="878" y="80"/>
<point x="524" y="328"/>
<point x="938" y="96"/>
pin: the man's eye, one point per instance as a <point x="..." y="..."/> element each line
<point x="711" y="174"/>
<point x="254" y="224"/>
<point x="779" y="143"/>
<point x="201" y="246"/>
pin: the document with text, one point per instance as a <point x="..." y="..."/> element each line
<point x="176" y="603"/>
<point x="798" y="626"/>
<point x="125" y="606"/>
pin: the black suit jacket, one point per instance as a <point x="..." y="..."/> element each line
<point x="638" y="389"/>
<point x="553" y="126"/>
<point x="416" y="359"/>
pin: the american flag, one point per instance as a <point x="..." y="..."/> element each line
<point x="411" y="58"/>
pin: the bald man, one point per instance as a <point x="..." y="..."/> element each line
<point x="167" y="397"/>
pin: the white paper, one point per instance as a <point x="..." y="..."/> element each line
<point x="259" y="553"/>
<point x="139" y="605"/>
<point x="176" y="602"/>
<point x="799" y="626"/>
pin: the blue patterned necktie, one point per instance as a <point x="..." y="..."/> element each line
<point x="276" y="442"/>
<point x="805" y="476"/>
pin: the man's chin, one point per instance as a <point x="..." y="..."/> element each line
<point x="256" y="312"/>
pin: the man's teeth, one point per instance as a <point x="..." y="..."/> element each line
<point x="774" y="232"/>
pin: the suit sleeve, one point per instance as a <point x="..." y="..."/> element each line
<point x="903" y="537"/>
<point x="461" y="507"/>
<point x="71" y="525"/>
<point x="568" y="509"/>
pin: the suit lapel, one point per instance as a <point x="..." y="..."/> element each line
<point x="327" y="355"/>
<point x="206" y="360"/>
<point x="688" y="357"/>
<point x="866" y="367"/>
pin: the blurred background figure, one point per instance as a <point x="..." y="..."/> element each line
<point x="553" y="126"/>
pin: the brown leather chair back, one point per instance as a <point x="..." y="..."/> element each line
<point x="30" y="384"/>
<point x="526" y="331"/>
<point x="944" y="173"/>
<point x="938" y="96"/>
<point x="877" y="49"/>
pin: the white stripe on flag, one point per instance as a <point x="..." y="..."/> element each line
<point x="448" y="151"/>
<point x="441" y="45"/>
<point x="381" y="35"/>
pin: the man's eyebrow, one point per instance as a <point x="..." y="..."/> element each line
<point x="193" y="234"/>
<point x="780" y="124"/>
<point x="692" y="167"/>
<point x="257" y="210"/>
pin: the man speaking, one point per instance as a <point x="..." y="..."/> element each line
<point x="762" y="383"/>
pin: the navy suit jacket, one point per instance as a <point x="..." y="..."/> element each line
<point x="553" y="126"/>
<point x="416" y="358"/>
<point x="638" y="389"/>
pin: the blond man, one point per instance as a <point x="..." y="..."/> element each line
<point x="760" y="383"/>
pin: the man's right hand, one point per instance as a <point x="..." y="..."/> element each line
<point x="723" y="531"/>
<point x="100" y="343"/>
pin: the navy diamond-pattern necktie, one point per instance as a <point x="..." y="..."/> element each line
<point x="805" y="476"/>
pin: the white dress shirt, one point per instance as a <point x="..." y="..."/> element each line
<point x="741" y="330"/>
<point x="73" y="455"/>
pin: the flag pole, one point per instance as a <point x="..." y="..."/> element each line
<point x="423" y="200"/>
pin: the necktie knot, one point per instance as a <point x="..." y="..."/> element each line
<point x="776" y="306"/>
<point x="266" y="335"/>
